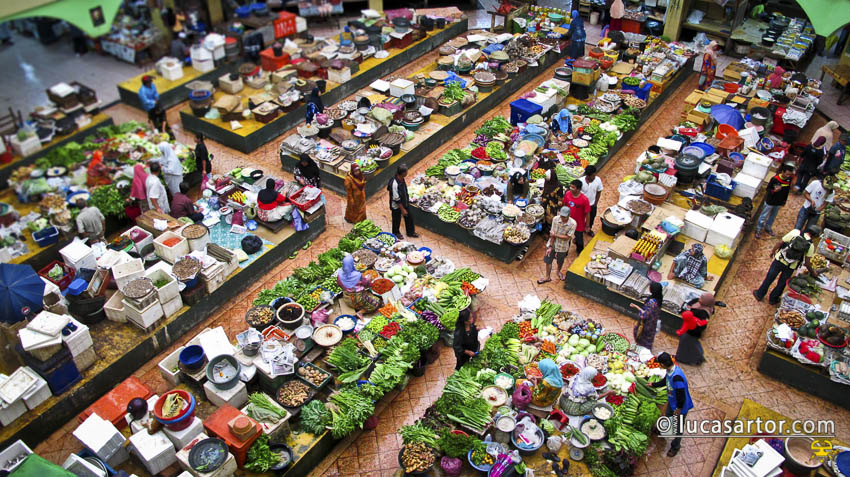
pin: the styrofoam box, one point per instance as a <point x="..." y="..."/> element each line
<point x="126" y="272"/>
<point x="26" y="147"/>
<point x="237" y="396"/>
<point x="118" y="457"/>
<point x="110" y="258"/>
<point x="154" y="450"/>
<point x="182" y="438"/>
<point x="697" y="225"/>
<point x="215" y="277"/>
<point x="171" y="254"/>
<point x="143" y="318"/>
<point x="35" y="395"/>
<point x="339" y="76"/>
<point x="273" y="429"/>
<point x="171" y="307"/>
<point x="81" y="467"/>
<point x="167" y="292"/>
<point x="227" y="469"/>
<point x="401" y="87"/>
<point x="138" y="246"/>
<point x="10" y="412"/>
<point x="99" y="436"/>
<point x="746" y="185"/>
<point x="78" y="256"/>
<point x="84" y="360"/>
<point x="14" y="450"/>
<point x="203" y="66"/>
<point x="172" y="70"/>
<point x="79" y="340"/>
<point x="756" y="165"/>
<point x="199" y="53"/>
<point x="167" y="366"/>
<point x="725" y="230"/>
<point x="114" y="308"/>
<point x="50" y="287"/>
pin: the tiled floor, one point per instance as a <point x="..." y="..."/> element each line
<point x="733" y="342"/>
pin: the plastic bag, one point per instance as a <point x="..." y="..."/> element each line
<point x="553" y="443"/>
<point x="521" y="396"/>
<point x="252" y="244"/>
<point x="319" y="317"/>
<point x="297" y="222"/>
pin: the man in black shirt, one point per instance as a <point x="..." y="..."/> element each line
<point x="812" y="158"/>
<point x="777" y="195"/>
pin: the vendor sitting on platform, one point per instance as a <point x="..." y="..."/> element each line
<point x="691" y="266"/>
<point x="355" y="288"/>
<point x="183" y="206"/>
<point x="548" y="388"/>
<point x="517" y="187"/>
<point x="90" y="222"/>
<point x="272" y="206"/>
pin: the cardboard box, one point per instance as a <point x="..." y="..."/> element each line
<point x="694" y="98"/>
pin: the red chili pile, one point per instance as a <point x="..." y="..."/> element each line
<point x="390" y="329"/>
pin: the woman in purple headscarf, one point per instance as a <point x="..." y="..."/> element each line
<point x="355" y="287"/>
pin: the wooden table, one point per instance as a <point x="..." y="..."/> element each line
<point x="841" y="75"/>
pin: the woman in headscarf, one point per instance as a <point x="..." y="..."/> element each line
<point x="517" y="187"/>
<point x="691" y="266"/>
<point x="563" y="122"/>
<point x="314" y="105"/>
<point x="827" y="132"/>
<point x="137" y="188"/>
<point x="548" y="388"/>
<point x="271" y="205"/>
<point x="690" y="349"/>
<point x="582" y="388"/>
<point x="172" y="169"/>
<point x="709" y="66"/>
<point x="355" y="288"/>
<point x="355" y="195"/>
<point x="649" y="317"/>
<point x="307" y="172"/>
<point x="551" y="197"/>
<point x="97" y="172"/>
<point x="576" y="35"/>
<point x="465" y="340"/>
<point x="618" y="10"/>
<point x="775" y="79"/>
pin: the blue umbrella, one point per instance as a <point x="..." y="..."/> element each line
<point x="725" y="114"/>
<point x="20" y="286"/>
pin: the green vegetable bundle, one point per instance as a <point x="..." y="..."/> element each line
<point x="545" y="314"/>
<point x="347" y="357"/>
<point x="261" y="408"/>
<point x="496" y="151"/>
<point x="315" y="417"/>
<point x="108" y="199"/>
<point x="495" y="126"/>
<point x="455" y="445"/>
<point x="366" y="228"/>
<point x="419" y="432"/>
<point x="451" y="158"/>
<point x="260" y="456"/>
<point x="460" y="275"/>
<point x="352" y="410"/>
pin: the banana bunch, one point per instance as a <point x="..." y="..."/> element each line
<point x="239" y="197"/>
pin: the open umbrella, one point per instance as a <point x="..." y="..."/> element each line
<point x="725" y="114"/>
<point x="826" y="16"/>
<point x="20" y="286"/>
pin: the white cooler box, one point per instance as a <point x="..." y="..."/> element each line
<point x="725" y="230"/>
<point x="697" y="225"/>
<point x="78" y="256"/>
<point x="756" y="165"/>
<point x="746" y="185"/>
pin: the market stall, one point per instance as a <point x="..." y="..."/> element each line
<point x="787" y="40"/>
<point x="173" y="88"/>
<point x="131" y="38"/>
<point x="314" y="369"/>
<point x="246" y="116"/>
<point x="409" y="118"/>
<point x="799" y="455"/>
<point x="578" y="392"/>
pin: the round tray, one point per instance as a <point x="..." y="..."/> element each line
<point x="327" y="335"/>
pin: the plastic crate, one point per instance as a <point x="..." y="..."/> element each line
<point x="66" y="279"/>
<point x="839" y="241"/>
<point x="284" y="25"/>
<point x="715" y="189"/>
<point x="304" y="206"/>
<point x="46" y="236"/>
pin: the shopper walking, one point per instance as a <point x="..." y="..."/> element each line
<point x="551" y="198"/>
<point x="355" y="195"/>
<point x="579" y="209"/>
<point x="709" y="66"/>
<point x="649" y="317"/>
<point x="695" y="318"/>
<point x="576" y="35"/>
<point x="591" y="187"/>
<point x="149" y="97"/>
<point x="172" y="169"/>
<point x="560" y="237"/>
<point x="465" y="343"/>
<point x="788" y="254"/>
<point x="815" y="194"/>
<point x="400" y="204"/>
<point x="138" y="188"/>
<point x="203" y="159"/>
<point x="835" y="156"/>
<point x="777" y="195"/>
<point x="617" y="11"/>
<point x="679" y="401"/>
<point x="827" y="132"/>
<point x="155" y="191"/>
<point x="812" y="157"/>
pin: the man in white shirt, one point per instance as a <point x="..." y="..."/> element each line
<point x="816" y="197"/>
<point x="157" y="197"/>
<point x="591" y="187"/>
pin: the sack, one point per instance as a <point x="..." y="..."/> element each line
<point x="796" y="249"/>
<point x="252" y="244"/>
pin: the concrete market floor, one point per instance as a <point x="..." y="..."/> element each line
<point x="733" y="342"/>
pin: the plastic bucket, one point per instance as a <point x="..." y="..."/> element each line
<point x="725" y="130"/>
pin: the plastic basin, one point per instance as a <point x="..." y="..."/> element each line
<point x="192" y="357"/>
<point x="724" y="130"/>
<point x="183" y="419"/>
<point x="708" y="149"/>
<point x="344" y="330"/>
<point x="227" y="382"/>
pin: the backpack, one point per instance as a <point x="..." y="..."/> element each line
<point x="797" y="248"/>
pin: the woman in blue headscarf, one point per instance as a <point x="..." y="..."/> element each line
<point x="562" y="122"/>
<point x="548" y="389"/>
<point x="576" y="35"/>
<point x="355" y="287"/>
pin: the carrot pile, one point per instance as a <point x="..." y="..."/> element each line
<point x="170" y="242"/>
<point x="388" y="310"/>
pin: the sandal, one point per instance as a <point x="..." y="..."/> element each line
<point x="672" y="452"/>
<point x="541" y="282"/>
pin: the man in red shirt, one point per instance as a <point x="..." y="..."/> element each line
<point x="579" y="208"/>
